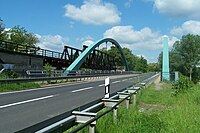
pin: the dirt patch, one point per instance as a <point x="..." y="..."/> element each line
<point x="148" y="108"/>
<point x="158" y="84"/>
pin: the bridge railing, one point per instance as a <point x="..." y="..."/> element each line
<point x="15" y="47"/>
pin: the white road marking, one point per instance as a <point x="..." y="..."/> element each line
<point x="27" y="101"/>
<point x="83" y="89"/>
<point x="116" y="82"/>
<point x="37" y="89"/>
<point x="124" y="79"/>
<point x="130" y="78"/>
<point x="101" y="85"/>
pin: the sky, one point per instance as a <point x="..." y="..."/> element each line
<point x="136" y="24"/>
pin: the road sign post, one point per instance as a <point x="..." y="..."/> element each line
<point x="107" y="88"/>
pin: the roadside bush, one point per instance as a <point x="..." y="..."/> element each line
<point x="181" y="85"/>
<point x="48" y="68"/>
<point x="8" y="74"/>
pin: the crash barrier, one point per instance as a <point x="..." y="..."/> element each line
<point x="89" y="116"/>
<point x="78" y="75"/>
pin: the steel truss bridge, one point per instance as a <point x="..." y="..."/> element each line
<point x="71" y="58"/>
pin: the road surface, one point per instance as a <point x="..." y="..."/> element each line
<point x="22" y="109"/>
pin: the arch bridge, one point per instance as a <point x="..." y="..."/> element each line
<point x="71" y="58"/>
<point x="82" y="57"/>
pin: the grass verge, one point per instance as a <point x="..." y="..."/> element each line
<point x="157" y="111"/>
<point x="17" y="86"/>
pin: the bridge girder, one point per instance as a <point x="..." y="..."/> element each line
<point x="82" y="57"/>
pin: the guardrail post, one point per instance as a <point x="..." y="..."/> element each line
<point x="82" y="117"/>
<point x="115" y="114"/>
<point x="143" y="85"/>
<point x="92" y="128"/>
<point x="134" y="99"/>
<point x="123" y="95"/>
<point x="111" y="103"/>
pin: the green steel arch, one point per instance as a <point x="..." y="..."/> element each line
<point x="81" y="58"/>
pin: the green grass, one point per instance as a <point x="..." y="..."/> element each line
<point x="168" y="114"/>
<point x="17" y="86"/>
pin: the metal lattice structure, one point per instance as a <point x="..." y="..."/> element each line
<point x="84" y="55"/>
<point x="95" y="59"/>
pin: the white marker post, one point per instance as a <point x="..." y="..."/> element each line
<point x="107" y="88"/>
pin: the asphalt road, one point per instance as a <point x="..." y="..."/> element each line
<point x="22" y="109"/>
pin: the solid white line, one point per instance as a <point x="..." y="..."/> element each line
<point x="101" y="85"/>
<point x="83" y="89"/>
<point x="27" y="101"/>
<point x="116" y="82"/>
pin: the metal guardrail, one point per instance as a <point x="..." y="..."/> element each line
<point x="72" y="119"/>
<point x="72" y="75"/>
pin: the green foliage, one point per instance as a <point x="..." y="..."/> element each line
<point x="179" y="114"/>
<point x="184" y="116"/>
<point x="8" y="74"/>
<point x="2" y="26"/>
<point x="19" y="35"/>
<point x="134" y="62"/>
<point x="181" y="85"/>
<point x="163" y="96"/>
<point x="48" y="68"/>
<point x="130" y="121"/>
<point x="17" y="86"/>
<point x="153" y="67"/>
<point x="141" y="64"/>
<point x="184" y="56"/>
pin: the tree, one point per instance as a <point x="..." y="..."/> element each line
<point x="20" y="35"/>
<point x="115" y="52"/>
<point x="153" y="67"/>
<point x="2" y="26"/>
<point x="185" y="56"/>
<point x="189" y="49"/>
<point x="134" y="62"/>
<point x="141" y="64"/>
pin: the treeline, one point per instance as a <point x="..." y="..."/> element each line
<point x="135" y="63"/>
<point x="185" y="57"/>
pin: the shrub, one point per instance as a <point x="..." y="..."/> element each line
<point x="8" y="74"/>
<point x="181" y="85"/>
<point x="48" y="68"/>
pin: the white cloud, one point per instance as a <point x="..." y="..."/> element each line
<point x="87" y="43"/>
<point x="128" y="3"/>
<point x="141" y="55"/>
<point x="54" y="43"/>
<point x="190" y="26"/>
<point x="6" y="29"/>
<point x="82" y="39"/>
<point x="94" y="12"/>
<point x="179" y="8"/>
<point x="144" y="39"/>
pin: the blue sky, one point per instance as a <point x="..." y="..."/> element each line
<point x="136" y="24"/>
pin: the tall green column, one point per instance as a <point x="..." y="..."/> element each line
<point x="165" y="60"/>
